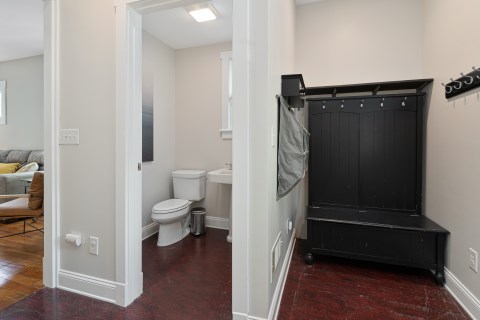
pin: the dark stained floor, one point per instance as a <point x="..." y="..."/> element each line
<point x="188" y="280"/>
<point x="335" y="288"/>
<point x="192" y="280"/>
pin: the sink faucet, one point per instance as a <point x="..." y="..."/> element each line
<point x="229" y="164"/>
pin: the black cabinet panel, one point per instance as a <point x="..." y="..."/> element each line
<point x="334" y="178"/>
<point x="388" y="159"/>
<point x="364" y="153"/>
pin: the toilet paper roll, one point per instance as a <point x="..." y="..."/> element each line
<point x="73" y="238"/>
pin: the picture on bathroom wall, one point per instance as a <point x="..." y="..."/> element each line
<point x="147" y="118"/>
<point x="147" y="134"/>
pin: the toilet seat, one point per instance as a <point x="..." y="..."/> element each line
<point x="170" y="205"/>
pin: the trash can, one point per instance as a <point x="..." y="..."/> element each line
<point x="197" y="225"/>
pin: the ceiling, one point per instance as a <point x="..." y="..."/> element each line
<point x="21" y="29"/>
<point x="177" y="29"/>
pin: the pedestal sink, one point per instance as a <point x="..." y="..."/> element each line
<point x="223" y="176"/>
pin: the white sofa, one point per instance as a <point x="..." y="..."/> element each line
<point x="12" y="183"/>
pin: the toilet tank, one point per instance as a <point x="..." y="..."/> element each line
<point x="189" y="184"/>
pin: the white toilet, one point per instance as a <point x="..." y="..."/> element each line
<point x="173" y="215"/>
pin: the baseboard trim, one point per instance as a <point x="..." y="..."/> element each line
<point x="277" y="295"/>
<point x="93" y="287"/>
<point x="464" y="297"/>
<point x="149" y="230"/>
<point x="217" y="223"/>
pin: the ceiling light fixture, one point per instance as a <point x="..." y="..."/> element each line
<point x="203" y="14"/>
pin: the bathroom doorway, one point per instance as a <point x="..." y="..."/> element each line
<point x="129" y="107"/>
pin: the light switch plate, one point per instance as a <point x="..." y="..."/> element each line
<point x="69" y="136"/>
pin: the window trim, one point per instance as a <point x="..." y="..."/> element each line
<point x="3" y="102"/>
<point x="226" y="131"/>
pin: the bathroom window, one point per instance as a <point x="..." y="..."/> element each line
<point x="3" y="102"/>
<point x="226" y="131"/>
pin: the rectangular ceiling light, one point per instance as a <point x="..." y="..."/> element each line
<point x="202" y="15"/>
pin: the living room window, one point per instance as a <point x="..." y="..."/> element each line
<point x="226" y="131"/>
<point x="3" y="102"/>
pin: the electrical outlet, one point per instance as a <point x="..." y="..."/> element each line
<point x="93" y="245"/>
<point x="473" y="260"/>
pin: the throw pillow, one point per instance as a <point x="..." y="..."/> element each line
<point x="36" y="191"/>
<point x="31" y="167"/>
<point x="8" y="167"/>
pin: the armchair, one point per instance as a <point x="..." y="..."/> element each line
<point x="25" y="206"/>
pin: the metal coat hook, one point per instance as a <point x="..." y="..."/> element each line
<point x="475" y="69"/>
<point x="451" y="79"/>
<point x="448" y="89"/>
<point x="341" y="106"/>
<point x="324" y="105"/>
<point x="471" y="78"/>
<point x="361" y="104"/>
<point x="403" y="102"/>
<point x="381" y="103"/>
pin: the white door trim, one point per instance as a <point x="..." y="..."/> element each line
<point x="128" y="201"/>
<point x="51" y="258"/>
<point x="128" y="154"/>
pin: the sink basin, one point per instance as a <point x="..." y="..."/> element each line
<point x="223" y="176"/>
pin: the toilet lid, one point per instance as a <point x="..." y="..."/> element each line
<point x="170" y="205"/>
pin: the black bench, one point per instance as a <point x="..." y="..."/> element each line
<point x="389" y="237"/>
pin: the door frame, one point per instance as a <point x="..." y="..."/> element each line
<point x="128" y="219"/>
<point x="51" y="254"/>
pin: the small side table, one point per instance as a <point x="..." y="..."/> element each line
<point x="26" y="184"/>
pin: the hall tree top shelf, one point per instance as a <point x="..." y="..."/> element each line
<point x="293" y="86"/>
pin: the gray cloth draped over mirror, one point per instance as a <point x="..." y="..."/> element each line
<point x="292" y="156"/>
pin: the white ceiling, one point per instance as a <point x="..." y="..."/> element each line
<point x="177" y="29"/>
<point x="21" y="29"/>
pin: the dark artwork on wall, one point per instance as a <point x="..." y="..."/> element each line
<point x="147" y="134"/>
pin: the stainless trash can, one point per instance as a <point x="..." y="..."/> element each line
<point x="197" y="225"/>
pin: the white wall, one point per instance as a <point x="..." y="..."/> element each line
<point x="271" y="55"/>
<point x="24" y="93"/>
<point x="159" y="83"/>
<point x="87" y="102"/>
<point x="351" y="41"/>
<point x="452" y="144"/>
<point x="198" y="119"/>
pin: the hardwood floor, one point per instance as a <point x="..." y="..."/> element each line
<point x="20" y="262"/>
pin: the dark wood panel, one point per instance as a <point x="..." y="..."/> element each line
<point x="388" y="160"/>
<point x="334" y="150"/>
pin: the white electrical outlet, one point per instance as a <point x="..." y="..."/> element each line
<point x="473" y="260"/>
<point x="93" y="245"/>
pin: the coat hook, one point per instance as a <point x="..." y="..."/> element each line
<point x="471" y="78"/>
<point x="448" y="89"/>
<point x="451" y="79"/>
<point x="381" y="103"/>
<point x="361" y="104"/>
<point x="341" y="106"/>
<point x="403" y="102"/>
<point x="324" y="105"/>
<point x="475" y="69"/>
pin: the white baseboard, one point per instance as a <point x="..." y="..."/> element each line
<point x="464" y="297"/>
<point x="277" y="295"/>
<point x="149" y="230"/>
<point x="93" y="287"/>
<point x="217" y="223"/>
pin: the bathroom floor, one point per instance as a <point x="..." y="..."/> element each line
<point x="187" y="280"/>
<point x="335" y="288"/>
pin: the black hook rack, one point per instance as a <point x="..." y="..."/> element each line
<point x="463" y="84"/>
